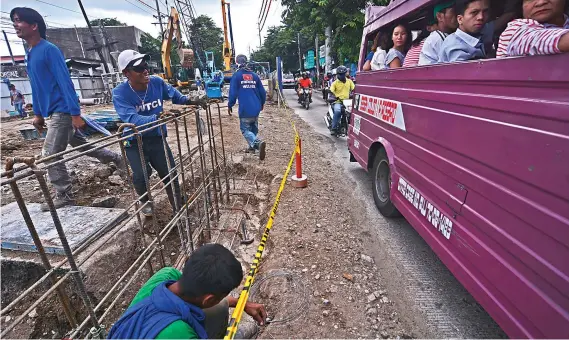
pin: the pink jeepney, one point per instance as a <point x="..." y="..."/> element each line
<point x="475" y="155"/>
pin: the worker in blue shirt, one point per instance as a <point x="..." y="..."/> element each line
<point x="139" y="101"/>
<point x="246" y="87"/>
<point x="54" y="96"/>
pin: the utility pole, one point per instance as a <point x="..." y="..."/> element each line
<point x="98" y="47"/>
<point x="328" y="42"/>
<point x="299" y="56"/>
<point x="80" y="42"/>
<point x="259" y="27"/>
<point x="9" y="48"/>
<point x="160" y="19"/>
<point x="317" y="56"/>
<point x="106" y="45"/>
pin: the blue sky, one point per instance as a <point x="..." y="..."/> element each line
<point x="244" y="14"/>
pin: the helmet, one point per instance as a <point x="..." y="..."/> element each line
<point x="334" y="72"/>
<point x="241" y="59"/>
<point x="341" y="69"/>
<point x="306" y="74"/>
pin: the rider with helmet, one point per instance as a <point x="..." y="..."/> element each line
<point x="341" y="88"/>
<point x="305" y="82"/>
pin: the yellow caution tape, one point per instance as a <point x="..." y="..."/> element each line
<point x="244" y="296"/>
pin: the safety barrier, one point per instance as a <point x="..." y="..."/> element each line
<point x="244" y="295"/>
<point x="201" y="169"/>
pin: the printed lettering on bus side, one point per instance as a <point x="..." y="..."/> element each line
<point x="386" y="110"/>
<point x="434" y="216"/>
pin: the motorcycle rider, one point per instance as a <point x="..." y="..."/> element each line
<point x="341" y="88"/>
<point x="305" y="82"/>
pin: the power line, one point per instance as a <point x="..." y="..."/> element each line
<point x="266" y="14"/>
<point x="261" y="11"/>
<point x="147" y="5"/>
<point x="140" y="8"/>
<point x="67" y="9"/>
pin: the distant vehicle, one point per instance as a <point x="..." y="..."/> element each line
<point x="475" y="155"/>
<point x="288" y="81"/>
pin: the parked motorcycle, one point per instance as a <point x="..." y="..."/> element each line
<point x="305" y="98"/>
<point x="342" y="129"/>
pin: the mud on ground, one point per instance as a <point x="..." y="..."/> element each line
<point x="332" y="289"/>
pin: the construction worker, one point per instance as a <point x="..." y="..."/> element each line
<point x="139" y="101"/>
<point x="246" y="87"/>
<point x="18" y="101"/>
<point x="54" y="96"/>
<point x="190" y="305"/>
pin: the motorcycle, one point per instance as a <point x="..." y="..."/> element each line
<point x="305" y="98"/>
<point x="342" y="129"/>
<point x="325" y="91"/>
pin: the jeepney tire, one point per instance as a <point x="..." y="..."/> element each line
<point x="384" y="205"/>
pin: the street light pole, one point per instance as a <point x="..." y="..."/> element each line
<point x="299" y="56"/>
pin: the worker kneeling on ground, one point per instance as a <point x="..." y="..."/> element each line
<point x="246" y="87"/>
<point x="189" y="305"/>
<point x="139" y="101"/>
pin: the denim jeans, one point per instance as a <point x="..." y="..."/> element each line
<point x="250" y="128"/>
<point x="60" y="133"/>
<point x="337" y="108"/>
<point x="20" y="108"/>
<point x="154" y="157"/>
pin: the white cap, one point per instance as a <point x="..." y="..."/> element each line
<point x="127" y="56"/>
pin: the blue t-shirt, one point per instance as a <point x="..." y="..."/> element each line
<point x="369" y="56"/>
<point x="246" y="87"/>
<point x="131" y="108"/>
<point x="52" y="89"/>
<point x="391" y="55"/>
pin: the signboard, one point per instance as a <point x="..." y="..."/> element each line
<point x="322" y="52"/>
<point x="309" y="63"/>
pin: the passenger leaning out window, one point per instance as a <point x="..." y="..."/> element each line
<point x="543" y="30"/>
<point x="401" y="37"/>
<point x="445" y="17"/>
<point x="467" y="42"/>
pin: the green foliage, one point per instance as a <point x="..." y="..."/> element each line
<point x="107" y="22"/>
<point x="210" y="37"/>
<point x="311" y="17"/>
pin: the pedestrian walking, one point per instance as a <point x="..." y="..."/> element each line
<point x="55" y="97"/>
<point x="17" y="100"/>
<point x="139" y="101"/>
<point x="246" y="87"/>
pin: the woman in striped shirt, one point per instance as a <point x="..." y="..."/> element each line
<point x="544" y="30"/>
<point x="412" y="57"/>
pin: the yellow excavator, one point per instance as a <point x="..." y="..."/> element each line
<point x="186" y="54"/>
<point x="228" y="45"/>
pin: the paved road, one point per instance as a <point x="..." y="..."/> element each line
<point x="429" y="295"/>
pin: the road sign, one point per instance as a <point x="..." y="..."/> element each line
<point x="309" y="59"/>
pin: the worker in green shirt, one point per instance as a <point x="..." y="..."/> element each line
<point x="189" y="305"/>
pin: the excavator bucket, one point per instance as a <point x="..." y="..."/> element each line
<point x="186" y="57"/>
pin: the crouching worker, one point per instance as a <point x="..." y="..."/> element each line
<point x="189" y="305"/>
<point x="139" y="101"/>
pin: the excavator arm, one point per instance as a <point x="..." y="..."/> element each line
<point x="227" y="45"/>
<point x="186" y="54"/>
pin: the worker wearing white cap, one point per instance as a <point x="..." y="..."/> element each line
<point x="139" y="101"/>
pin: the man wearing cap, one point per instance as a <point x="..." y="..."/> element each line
<point x="139" y="101"/>
<point x="246" y="87"/>
<point x="446" y="24"/>
<point x="54" y="96"/>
